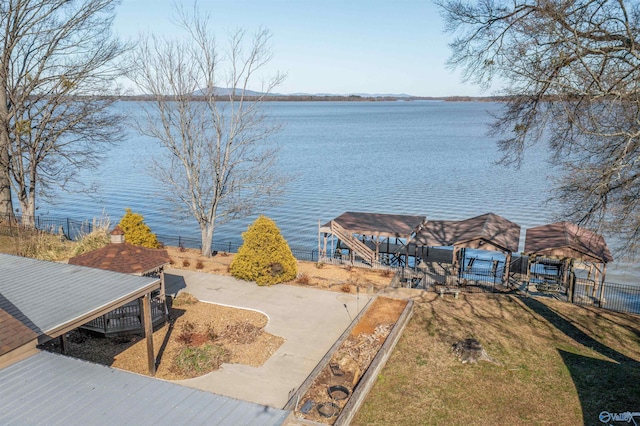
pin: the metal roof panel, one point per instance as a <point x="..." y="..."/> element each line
<point x="48" y="388"/>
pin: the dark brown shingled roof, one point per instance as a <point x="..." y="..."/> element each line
<point x="13" y="332"/>
<point x="384" y="225"/>
<point x="567" y="240"/>
<point x="123" y="257"/>
<point x="488" y="227"/>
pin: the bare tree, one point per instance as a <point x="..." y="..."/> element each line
<point x="220" y="164"/>
<point x="571" y="71"/>
<point x="57" y="63"/>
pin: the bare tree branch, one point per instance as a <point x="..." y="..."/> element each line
<point x="220" y="163"/>
<point x="572" y="73"/>
<point x="57" y="70"/>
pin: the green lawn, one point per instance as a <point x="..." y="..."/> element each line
<point x="560" y="364"/>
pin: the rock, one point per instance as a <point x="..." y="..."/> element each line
<point x="471" y="351"/>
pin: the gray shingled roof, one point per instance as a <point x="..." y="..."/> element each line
<point x="53" y="389"/>
<point x="46" y="296"/>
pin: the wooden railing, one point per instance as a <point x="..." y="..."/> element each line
<point x="126" y="319"/>
<point x="353" y="243"/>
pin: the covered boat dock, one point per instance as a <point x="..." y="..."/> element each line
<point x="378" y="239"/>
<point x="485" y="232"/>
<point x="554" y="249"/>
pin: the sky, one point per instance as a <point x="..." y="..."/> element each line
<point x="329" y="46"/>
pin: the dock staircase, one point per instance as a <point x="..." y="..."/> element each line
<point x="355" y="245"/>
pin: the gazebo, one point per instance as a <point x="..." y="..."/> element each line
<point x="120" y="256"/>
<point x="565" y="243"/>
<point x="485" y="232"/>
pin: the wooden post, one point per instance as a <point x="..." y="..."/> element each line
<point x="507" y="269"/>
<point x="148" y="332"/>
<point x="63" y="343"/>
<point x="601" y="300"/>
<point x="163" y="295"/>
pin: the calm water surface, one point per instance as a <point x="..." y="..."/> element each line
<point x="425" y="158"/>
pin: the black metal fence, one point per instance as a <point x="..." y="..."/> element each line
<point x="474" y="280"/>
<point x="73" y="229"/>
<point x="70" y="228"/>
<point x="612" y="296"/>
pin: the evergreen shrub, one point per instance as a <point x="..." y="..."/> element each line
<point x="137" y="232"/>
<point x="265" y="256"/>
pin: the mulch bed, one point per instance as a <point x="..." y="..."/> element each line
<point x="194" y="324"/>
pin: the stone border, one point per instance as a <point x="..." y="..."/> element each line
<point x="366" y="382"/>
<point x="368" y="379"/>
<point x="304" y="387"/>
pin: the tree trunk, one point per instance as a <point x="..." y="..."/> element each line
<point x="207" y="238"/>
<point x="28" y="207"/>
<point x="6" y="204"/>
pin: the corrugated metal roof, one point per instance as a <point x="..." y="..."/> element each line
<point x="52" y="389"/>
<point x="46" y="295"/>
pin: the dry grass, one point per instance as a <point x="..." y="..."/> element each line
<point x="561" y="364"/>
<point x="318" y="275"/>
<point x="44" y="245"/>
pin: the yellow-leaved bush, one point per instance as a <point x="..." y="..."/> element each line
<point x="137" y="232"/>
<point x="265" y="256"/>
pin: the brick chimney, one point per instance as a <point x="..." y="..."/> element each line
<point x="117" y="235"/>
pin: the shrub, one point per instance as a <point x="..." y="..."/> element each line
<point x="265" y="256"/>
<point x="304" y="279"/>
<point x="186" y="263"/>
<point x="195" y="361"/>
<point x="137" y="232"/>
<point x="96" y="239"/>
<point x="185" y="299"/>
<point x="199" y="265"/>
<point x="346" y="288"/>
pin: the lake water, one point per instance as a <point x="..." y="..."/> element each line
<point x="420" y="157"/>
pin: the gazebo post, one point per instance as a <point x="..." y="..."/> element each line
<point x="601" y="298"/>
<point x="148" y="333"/>
<point x="507" y="269"/>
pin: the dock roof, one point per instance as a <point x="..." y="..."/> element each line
<point x="489" y="227"/>
<point x="567" y="240"/>
<point x="378" y="224"/>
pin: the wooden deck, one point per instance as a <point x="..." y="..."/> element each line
<point x="126" y="320"/>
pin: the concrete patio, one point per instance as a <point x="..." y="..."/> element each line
<point x="310" y="320"/>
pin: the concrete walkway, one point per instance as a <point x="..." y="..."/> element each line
<point x="310" y="320"/>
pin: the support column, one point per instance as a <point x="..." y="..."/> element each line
<point x="63" y="343"/>
<point x="148" y="333"/>
<point x="507" y="269"/>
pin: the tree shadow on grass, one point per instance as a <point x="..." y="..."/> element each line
<point x="603" y="385"/>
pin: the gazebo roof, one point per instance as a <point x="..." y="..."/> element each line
<point x="489" y="227"/>
<point x="40" y="299"/>
<point x="379" y="224"/>
<point x="567" y="240"/>
<point x="123" y="257"/>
